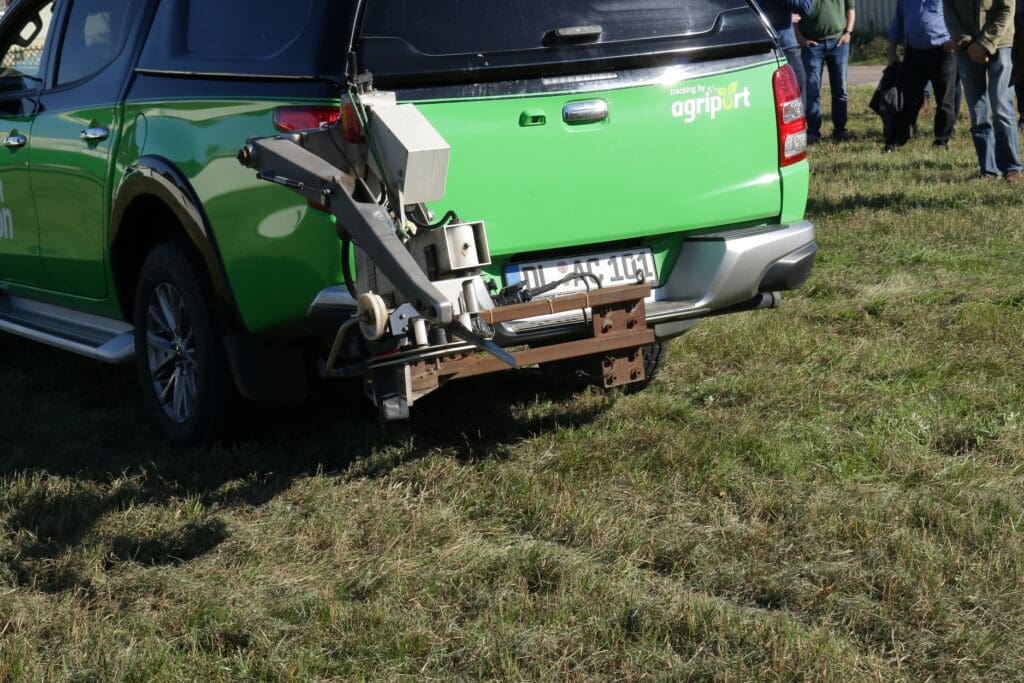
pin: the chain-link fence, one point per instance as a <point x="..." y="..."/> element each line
<point x="23" y="59"/>
<point x="26" y="59"/>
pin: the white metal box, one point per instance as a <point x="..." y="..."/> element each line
<point x="414" y="155"/>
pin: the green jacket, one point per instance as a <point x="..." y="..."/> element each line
<point x="986" y="22"/>
<point x="826" y="20"/>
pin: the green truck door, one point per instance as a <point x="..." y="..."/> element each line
<point x="22" y="46"/>
<point x="19" y="230"/>
<point x="70" y="165"/>
<point x="76" y="129"/>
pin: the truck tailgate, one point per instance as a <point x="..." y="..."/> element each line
<point x="681" y="154"/>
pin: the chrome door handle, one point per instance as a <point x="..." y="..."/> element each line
<point x="95" y="134"/>
<point x="15" y="141"/>
<point x="585" y="111"/>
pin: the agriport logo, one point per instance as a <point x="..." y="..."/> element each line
<point x="709" y="101"/>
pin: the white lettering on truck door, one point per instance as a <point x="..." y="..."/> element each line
<point x="6" y="219"/>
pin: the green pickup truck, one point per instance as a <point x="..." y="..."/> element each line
<point x="610" y="165"/>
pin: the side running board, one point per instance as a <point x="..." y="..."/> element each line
<point x="103" y="339"/>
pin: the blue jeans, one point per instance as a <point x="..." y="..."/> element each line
<point x="797" y="62"/>
<point x="993" y="120"/>
<point x="836" y="57"/>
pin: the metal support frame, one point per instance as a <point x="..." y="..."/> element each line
<point x="618" y="333"/>
<point x="288" y="161"/>
<point x="315" y="165"/>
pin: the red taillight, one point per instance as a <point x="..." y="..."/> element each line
<point x="789" y="111"/>
<point x="287" y="119"/>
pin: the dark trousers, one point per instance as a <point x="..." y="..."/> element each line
<point x="919" y="67"/>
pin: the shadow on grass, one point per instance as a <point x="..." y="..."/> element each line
<point x="900" y="201"/>
<point x="75" y="446"/>
<point x="941" y="170"/>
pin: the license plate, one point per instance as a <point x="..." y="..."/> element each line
<point x="613" y="268"/>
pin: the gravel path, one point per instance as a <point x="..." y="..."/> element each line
<point x="859" y="75"/>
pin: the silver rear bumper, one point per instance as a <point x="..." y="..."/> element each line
<point x="715" y="273"/>
<point x="724" y="269"/>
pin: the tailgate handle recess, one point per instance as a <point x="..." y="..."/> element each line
<point x="532" y="117"/>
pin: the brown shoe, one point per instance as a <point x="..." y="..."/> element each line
<point x="1014" y="177"/>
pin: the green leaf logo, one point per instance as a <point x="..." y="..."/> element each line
<point x="727" y="95"/>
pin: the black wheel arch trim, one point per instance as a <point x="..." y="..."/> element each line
<point x="158" y="177"/>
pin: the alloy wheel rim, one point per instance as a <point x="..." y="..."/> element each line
<point x="171" y="352"/>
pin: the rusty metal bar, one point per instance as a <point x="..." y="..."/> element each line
<point x="618" y="326"/>
<point x="482" y="365"/>
<point x="562" y="304"/>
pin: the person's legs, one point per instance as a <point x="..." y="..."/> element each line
<point x="813" y="57"/>
<point x="912" y="79"/>
<point x="975" y="82"/>
<point x="837" y="60"/>
<point x="922" y="107"/>
<point x="797" y="62"/>
<point x="941" y="68"/>
<point x="1004" y="119"/>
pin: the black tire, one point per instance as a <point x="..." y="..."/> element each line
<point x="182" y="365"/>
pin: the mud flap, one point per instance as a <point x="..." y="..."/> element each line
<point x="265" y="370"/>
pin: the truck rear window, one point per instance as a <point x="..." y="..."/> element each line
<point x="300" y="38"/>
<point x="444" y="40"/>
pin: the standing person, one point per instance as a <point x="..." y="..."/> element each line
<point x="780" y="15"/>
<point x="928" y="56"/>
<point x="824" y="34"/>
<point x="983" y="38"/>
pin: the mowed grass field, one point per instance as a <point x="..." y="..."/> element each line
<point x="830" y="491"/>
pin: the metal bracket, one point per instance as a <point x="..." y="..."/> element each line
<point x="285" y="160"/>
<point x="619" y="332"/>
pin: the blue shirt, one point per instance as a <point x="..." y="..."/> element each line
<point x="780" y="15"/>
<point x="920" y="23"/>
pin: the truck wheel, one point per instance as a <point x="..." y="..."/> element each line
<point x="182" y="365"/>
